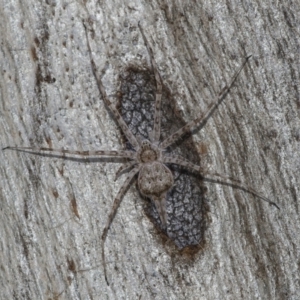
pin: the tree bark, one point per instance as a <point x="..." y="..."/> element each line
<point x="53" y="210"/>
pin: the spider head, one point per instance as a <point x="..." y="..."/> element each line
<point x="148" y="152"/>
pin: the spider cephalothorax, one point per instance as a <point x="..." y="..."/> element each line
<point x="148" y="153"/>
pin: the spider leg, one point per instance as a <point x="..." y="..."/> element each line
<point x="202" y="119"/>
<point x="181" y="161"/>
<point x="126" y="166"/>
<point x="113" y="212"/>
<point x="131" y="138"/>
<point x="214" y="176"/>
<point x="157" y="115"/>
<point x="219" y="178"/>
<point x="112" y="153"/>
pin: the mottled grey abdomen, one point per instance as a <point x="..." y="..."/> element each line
<point x="155" y="179"/>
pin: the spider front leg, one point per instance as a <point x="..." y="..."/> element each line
<point x="100" y="153"/>
<point x="202" y="119"/>
<point x="131" y="138"/>
<point x="157" y="114"/>
<point x="113" y="212"/>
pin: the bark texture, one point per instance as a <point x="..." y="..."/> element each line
<point x="53" y="210"/>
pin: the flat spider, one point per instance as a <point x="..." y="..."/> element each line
<point x="148" y="158"/>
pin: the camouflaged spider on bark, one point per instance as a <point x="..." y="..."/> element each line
<point x="149" y="158"/>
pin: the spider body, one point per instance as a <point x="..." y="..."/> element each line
<point x="154" y="181"/>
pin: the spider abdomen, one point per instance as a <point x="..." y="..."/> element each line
<point x="155" y="179"/>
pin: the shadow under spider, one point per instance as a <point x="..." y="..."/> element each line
<point x="186" y="203"/>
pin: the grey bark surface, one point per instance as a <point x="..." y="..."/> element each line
<point x="53" y="210"/>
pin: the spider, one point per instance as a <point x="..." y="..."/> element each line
<point x="148" y="157"/>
